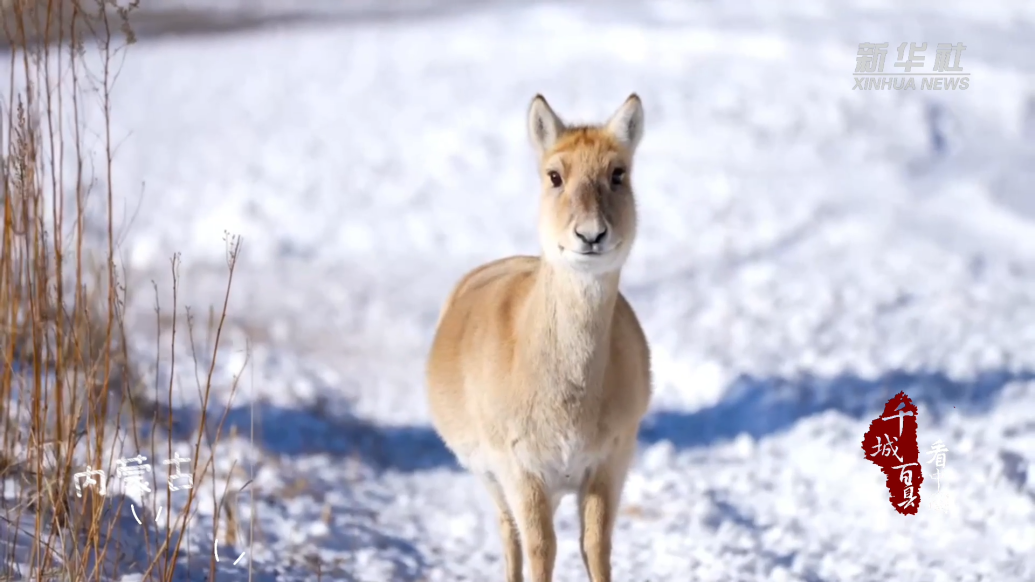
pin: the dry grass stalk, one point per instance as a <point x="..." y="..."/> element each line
<point x="66" y="362"/>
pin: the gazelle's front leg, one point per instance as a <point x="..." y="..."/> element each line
<point x="533" y="510"/>
<point x="508" y="530"/>
<point x="599" y="500"/>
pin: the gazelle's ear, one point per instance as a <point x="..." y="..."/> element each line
<point x="627" y="123"/>
<point x="544" y="127"/>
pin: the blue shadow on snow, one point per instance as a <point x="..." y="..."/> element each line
<point x="755" y="406"/>
<point x="763" y="406"/>
<point x="302" y="432"/>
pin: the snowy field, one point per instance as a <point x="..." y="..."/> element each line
<point x="805" y="252"/>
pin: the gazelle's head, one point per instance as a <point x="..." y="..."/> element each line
<point x="587" y="218"/>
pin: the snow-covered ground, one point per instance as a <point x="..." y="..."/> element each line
<point x="806" y="251"/>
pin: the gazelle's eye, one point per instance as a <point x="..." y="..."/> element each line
<point x="617" y="176"/>
<point x="555" y="179"/>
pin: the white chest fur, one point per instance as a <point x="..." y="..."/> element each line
<point x="565" y="467"/>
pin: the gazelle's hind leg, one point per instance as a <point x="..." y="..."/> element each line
<point x="599" y="499"/>
<point x="508" y="530"/>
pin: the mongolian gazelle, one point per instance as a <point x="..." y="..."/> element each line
<point x="539" y="374"/>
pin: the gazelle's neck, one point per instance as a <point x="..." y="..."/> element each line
<point x="571" y="317"/>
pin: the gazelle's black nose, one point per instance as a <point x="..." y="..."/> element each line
<point x="591" y="238"/>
